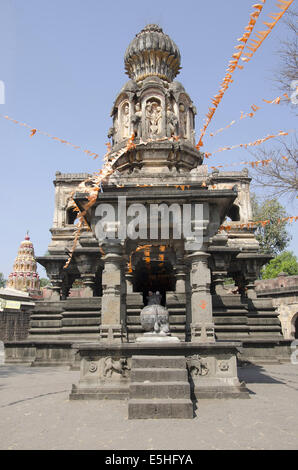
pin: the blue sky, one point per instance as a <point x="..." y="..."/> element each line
<point x="62" y="65"/>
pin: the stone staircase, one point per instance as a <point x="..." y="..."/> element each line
<point x="159" y="388"/>
<point x="72" y="319"/>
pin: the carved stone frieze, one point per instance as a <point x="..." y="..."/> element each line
<point x="197" y="366"/>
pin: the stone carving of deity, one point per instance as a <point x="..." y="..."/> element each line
<point x="154" y="299"/>
<point x="153" y="118"/>
<point x="183" y="120"/>
<point x="125" y="120"/>
<point x="136" y="120"/>
<point x="113" y="131"/>
<point x="172" y="122"/>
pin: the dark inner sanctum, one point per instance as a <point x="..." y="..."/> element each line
<point x="154" y="277"/>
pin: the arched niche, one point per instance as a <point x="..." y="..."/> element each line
<point x="185" y="119"/>
<point x="153" y="116"/>
<point x="71" y="216"/>
<point x="234" y="213"/>
<point x="124" y="120"/>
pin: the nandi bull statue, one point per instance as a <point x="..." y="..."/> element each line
<point x="155" y="320"/>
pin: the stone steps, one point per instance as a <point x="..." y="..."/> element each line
<point x="163" y="390"/>
<point x="160" y="408"/>
<point x="159" y="388"/>
<point x="79" y="319"/>
<point x="160" y="374"/>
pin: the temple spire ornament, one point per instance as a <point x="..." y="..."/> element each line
<point x="24" y="275"/>
<point x="152" y="53"/>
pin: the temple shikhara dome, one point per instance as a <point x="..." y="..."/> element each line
<point x="24" y="275"/>
<point x="152" y="53"/>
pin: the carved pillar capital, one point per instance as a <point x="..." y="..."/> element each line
<point x="87" y="263"/>
<point x="54" y="267"/>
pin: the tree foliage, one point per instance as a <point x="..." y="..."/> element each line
<point x="285" y="262"/>
<point x="44" y="281"/>
<point x="288" y="54"/>
<point x="2" y="280"/>
<point x="280" y="176"/>
<point x="273" y="237"/>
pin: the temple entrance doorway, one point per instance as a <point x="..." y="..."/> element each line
<point x="154" y="277"/>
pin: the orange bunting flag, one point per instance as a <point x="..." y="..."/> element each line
<point x="252" y="225"/>
<point x="262" y="35"/>
<point x="33" y="131"/>
<point x="250" y="144"/>
<point x="255" y="108"/>
<point x="233" y="64"/>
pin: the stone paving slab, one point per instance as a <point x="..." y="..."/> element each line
<point x="35" y="413"/>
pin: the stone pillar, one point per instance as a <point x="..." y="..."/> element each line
<point x="54" y="268"/>
<point x="56" y="284"/>
<point x="87" y="263"/>
<point x="180" y="274"/>
<point x="112" y="309"/>
<point x="219" y="263"/>
<point x="218" y="283"/>
<point x="88" y="284"/>
<point x="202" y="326"/>
<point x="67" y="282"/>
<point x="129" y="283"/>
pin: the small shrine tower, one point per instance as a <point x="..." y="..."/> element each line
<point x="24" y="276"/>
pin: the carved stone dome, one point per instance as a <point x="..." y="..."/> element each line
<point x="152" y="53"/>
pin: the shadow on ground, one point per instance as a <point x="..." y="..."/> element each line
<point x="254" y="374"/>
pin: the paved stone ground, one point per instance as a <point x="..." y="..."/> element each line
<point x="35" y="413"/>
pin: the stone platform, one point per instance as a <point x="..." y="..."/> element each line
<point x="146" y="374"/>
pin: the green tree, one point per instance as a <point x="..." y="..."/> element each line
<point x="273" y="237"/>
<point x="280" y="176"/>
<point x="285" y="262"/>
<point x="44" y="281"/>
<point x="2" y="280"/>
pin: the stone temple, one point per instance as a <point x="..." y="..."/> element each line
<point x="162" y="172"/>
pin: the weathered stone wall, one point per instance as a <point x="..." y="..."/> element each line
<point x="284" y="293"/>
<point x="280" y="282"/>
<point x="14" y="326"/>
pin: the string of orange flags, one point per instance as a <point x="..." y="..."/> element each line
<point x="228" y="228"/>
<point x="254" y="45"/>
<point x="93" y="188"/>
<point x="233" y="65"/>
<point x="34" y="131"/>
<point x="249" y="144"/>
<point x="251" y="114"/>
<point x="132" y="145"/>
<point x="110" y="158"/>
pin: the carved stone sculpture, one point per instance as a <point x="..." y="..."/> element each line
<point x="197" y="366"/>
<point x="112" y="366"/>
<point x="154" y="317"/>
<point x="172" y="122"/>
<point x="125" y="121"/>
<point x="183" y="120"/>
<point x="153" y="118"/>
<point x="136" y="120"/>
